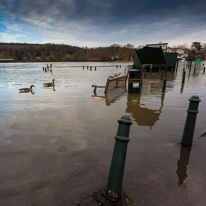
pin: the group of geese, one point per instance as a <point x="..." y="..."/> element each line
<point x="24" y="90"/>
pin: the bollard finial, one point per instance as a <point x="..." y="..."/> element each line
<point x="125" y="120"/>
<point x="195" y="98"/>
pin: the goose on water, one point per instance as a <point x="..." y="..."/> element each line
<point x="49" y="84"/>
<point x="27" y="89"/>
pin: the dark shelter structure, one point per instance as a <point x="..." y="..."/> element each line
<point x="154" y="58"/>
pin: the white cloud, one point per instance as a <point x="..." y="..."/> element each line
<point x="5" y="37"/>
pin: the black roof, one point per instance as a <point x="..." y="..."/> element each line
<point x="151" y="55"/>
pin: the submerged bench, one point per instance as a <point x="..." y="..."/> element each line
<point x="113" y="82"/>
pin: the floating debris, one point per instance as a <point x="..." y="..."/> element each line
<point x="97" y="98"/>
<point x="202" y="135"/>
<point x="63" y="148"/>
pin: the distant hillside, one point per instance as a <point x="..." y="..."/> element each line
<point x="60" y="52"/>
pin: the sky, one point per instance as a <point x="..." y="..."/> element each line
<point x="96" y="23"/>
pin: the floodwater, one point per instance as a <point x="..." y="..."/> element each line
<point x="34" y="126"/>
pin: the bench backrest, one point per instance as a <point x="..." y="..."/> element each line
<point x="115" y="82"/>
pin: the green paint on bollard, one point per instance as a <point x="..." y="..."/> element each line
<point x="183" y="77"/>
<point x="90" y="68"/>
<point x="164" y="84"/>
<point x="114" y="184"/>
<point x="192" y="111"/>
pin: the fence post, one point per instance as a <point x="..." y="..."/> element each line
<point x="192" y="111"/>
<point x="183" y="77"/>
<point x="162" y="74"/>
<point x="164" y="84"/>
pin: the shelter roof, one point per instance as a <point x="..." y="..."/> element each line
<point x="150" y="55"/>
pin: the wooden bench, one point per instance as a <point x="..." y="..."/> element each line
<point x="113" y="82"/>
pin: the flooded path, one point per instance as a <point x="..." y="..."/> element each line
<point x="35" y="126"/>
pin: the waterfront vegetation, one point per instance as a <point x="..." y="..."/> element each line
<point x="25" y="52"/>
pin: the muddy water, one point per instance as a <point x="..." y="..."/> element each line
<point x="35" y="125"/>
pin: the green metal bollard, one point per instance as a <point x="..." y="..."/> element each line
<point x="162" y="74"/>
<point x="164" y="84"/>
<point x="90" y="68"/>
<point x="192" y="111"/>
<point x="183" y="77"/>
<point x="114" y="183"/>
<point x="194" y="70"/>
<point x="83" y="67"/>
<point x="144" y="73"/>
<point x="159" y="70"/>
<point x="87" y="67"/>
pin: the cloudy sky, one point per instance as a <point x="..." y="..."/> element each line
<point x="95" y="23"/>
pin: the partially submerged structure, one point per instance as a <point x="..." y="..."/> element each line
<point x="154" y="58"/>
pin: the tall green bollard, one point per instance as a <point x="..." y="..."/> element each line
<point x="90" y="68"/>
<point x="164" y="84"/>
<point x="114" y="183"/>
<point x="183" y="77"/>
<point x="159" y="71"/>
<point x="144" y="73"/>
<point x="162" y="74"/>
<point x="192" y="111"/>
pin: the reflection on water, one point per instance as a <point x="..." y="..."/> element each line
<point x="32" y="92"/>
<point x="182" y="164"/>
<point x="113" y="95"/>
<point x="142" y="115"/>
<point x="182" y="87"/>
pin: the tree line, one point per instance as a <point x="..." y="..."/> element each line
<point x="62" y="52"/>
